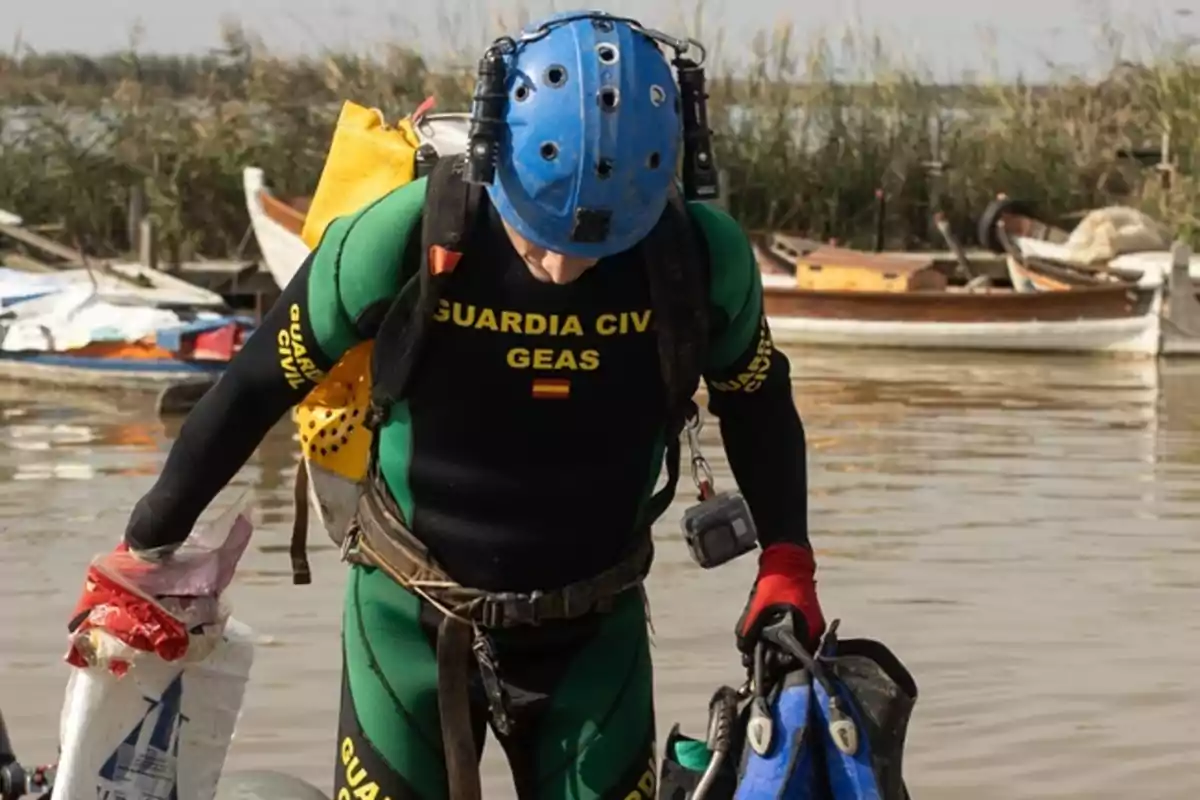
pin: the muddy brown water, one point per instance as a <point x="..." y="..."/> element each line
<point x="1023" y="532"/>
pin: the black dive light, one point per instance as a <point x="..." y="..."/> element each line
<point x="700" y="178"/>
<point x="487" y="115"/>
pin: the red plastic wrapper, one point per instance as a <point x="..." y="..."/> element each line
<point x="154" y="602"/>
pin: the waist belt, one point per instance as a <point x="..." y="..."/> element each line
<point x="379" y="538"/>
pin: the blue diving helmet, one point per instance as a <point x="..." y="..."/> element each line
<point x="585" y="133"/>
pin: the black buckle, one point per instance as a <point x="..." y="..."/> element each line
<point x="491" y="612"/>
<point x="506" y="609"/>
<point x="374" y="417"/>
<point x="511" y="608"/>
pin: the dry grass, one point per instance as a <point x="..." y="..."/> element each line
<point x="804" y="146"/>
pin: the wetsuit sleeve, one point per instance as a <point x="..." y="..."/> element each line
<point x="750" y="388"/>
<point x="337" y="294"/>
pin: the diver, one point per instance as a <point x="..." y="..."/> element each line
<point x="519" y="464"/>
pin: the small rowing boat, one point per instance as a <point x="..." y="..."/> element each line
<point x="888" y="302"/>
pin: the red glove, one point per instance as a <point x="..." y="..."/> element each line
<point x="785" y="582"/>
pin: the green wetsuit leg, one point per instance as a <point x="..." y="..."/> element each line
<point x="389" y="732"/>
<point x="584" y="706"/>
<point x="581" y="701"/>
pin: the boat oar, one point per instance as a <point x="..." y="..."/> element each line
<point x="960" y="255"/>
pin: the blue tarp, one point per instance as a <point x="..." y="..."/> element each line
<point x="172" y="338"/>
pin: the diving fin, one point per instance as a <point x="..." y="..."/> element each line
<point x="882" y="694"/>
<point x="785" y="770"/>
<point x="860" y="698"/>
<point x="846" y="748"/>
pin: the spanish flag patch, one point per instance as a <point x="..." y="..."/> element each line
<point x="551" y="389"/>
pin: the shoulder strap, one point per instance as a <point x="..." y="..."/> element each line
<point x="677" y="268"/>
<point x="451" y="208"/>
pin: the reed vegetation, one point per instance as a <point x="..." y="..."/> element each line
<point x="804" y="145"/>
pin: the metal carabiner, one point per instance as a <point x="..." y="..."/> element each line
<point x="702" y="474"/>
<point x="692" y="427"/>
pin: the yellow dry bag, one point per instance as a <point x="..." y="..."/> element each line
<point x="367" y="159"/>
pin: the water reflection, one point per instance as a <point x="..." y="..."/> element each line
<point x="1021" y="531"/>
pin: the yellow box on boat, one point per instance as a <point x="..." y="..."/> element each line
<point x="838" y="269"/>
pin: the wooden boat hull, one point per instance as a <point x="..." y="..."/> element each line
<point x="105" y="373"/>
<point x="1134" y="337"/>
<point x="1083" y="303"/>
<point x="276" y="228"/>
<point x="177" y="385"/>
<point x="1118" y="319"/>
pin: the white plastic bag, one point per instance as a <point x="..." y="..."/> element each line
<point x="160" y="732"/>
<point x="160" y="672"/>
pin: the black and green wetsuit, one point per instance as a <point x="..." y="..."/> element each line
<point x="528" y="445"/>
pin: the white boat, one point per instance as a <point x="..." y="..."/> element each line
<point x="1076" y="321"/>
<point x="276" y="227"/>
<point x="119" y="284"/>
<point x="1148" y="313"/>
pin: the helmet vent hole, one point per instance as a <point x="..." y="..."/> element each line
<point x="556" y="75"/>
<point x="604" y="169"/>
<point x="549" y="151"/>
<point x="609" y="97"/>
<point x="654" y="160"/>
<point x="521" y="93"/>
<point x="607" y="54"/>
<point x="658" y="95"/>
